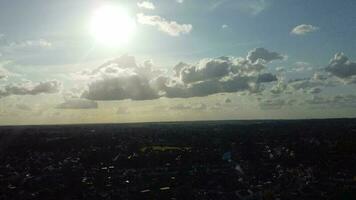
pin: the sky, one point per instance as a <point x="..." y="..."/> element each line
<point x="118" y="61"/>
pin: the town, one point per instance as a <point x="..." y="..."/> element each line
<point x="307" y="159"/>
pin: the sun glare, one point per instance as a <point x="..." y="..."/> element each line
<point x="112" y="25"/>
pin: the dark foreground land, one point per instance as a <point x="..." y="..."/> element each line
<point x="313" y="159"/>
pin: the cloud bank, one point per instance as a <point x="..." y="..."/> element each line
<point x="123" y="78"/>
<point x="78" y="104"/>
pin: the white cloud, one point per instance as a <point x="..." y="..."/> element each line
<point x="170" y="27"/>
<point x="41" y="43"/>
<point x="302" y="66"/>
<point x="179" y="1"/>
<point x="146" y="5"/>
<point x="224" y="26"/>
<point x="304" y="29"/>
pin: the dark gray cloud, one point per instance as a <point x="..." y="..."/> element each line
<point x="266" y="78"/>
<point x="197" y="107"/>
<point x="23" y="107"/>
<point x="204" y="70"/>
<point x="78" y="104"/>
<point x="341" y="67"/>
<point x="346" y="100"/>
<point x="132" y="87"/>
<point x="227" y="100"/>
<point x="230" y="84"/>
<point x="30" y="88"/>
<point x="315" y="91"/>
<point x="263" y="54"/>
<point x="272" y="104"/>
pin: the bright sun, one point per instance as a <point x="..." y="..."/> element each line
<point x="112" y="25"/>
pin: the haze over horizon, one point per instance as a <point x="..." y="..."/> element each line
<point x="94" y="61"/>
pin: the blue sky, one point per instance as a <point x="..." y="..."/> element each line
<point x="65" y="22"/>
<point x="48" y="51"/>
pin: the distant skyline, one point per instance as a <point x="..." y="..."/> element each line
<point x="96" y="61"/>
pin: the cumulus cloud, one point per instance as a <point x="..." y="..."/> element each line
<point x="224" y="26"/>
<point x="341" y="67"/>
<point x="179" y="1"/>
<point x="204" y="70"/>
<point x="121" y="79"/>
<point x="215" y="68"/>
<point x="30" y="88"/>
<point x="78" y="104"/>
<point x="219" y="75"/>
<point x="304" y="29"/>
<point x="146" y="5"/>
<point x="264" y="55"/>
<point x="172" y="28"/>
<point x="124" y="79"/>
